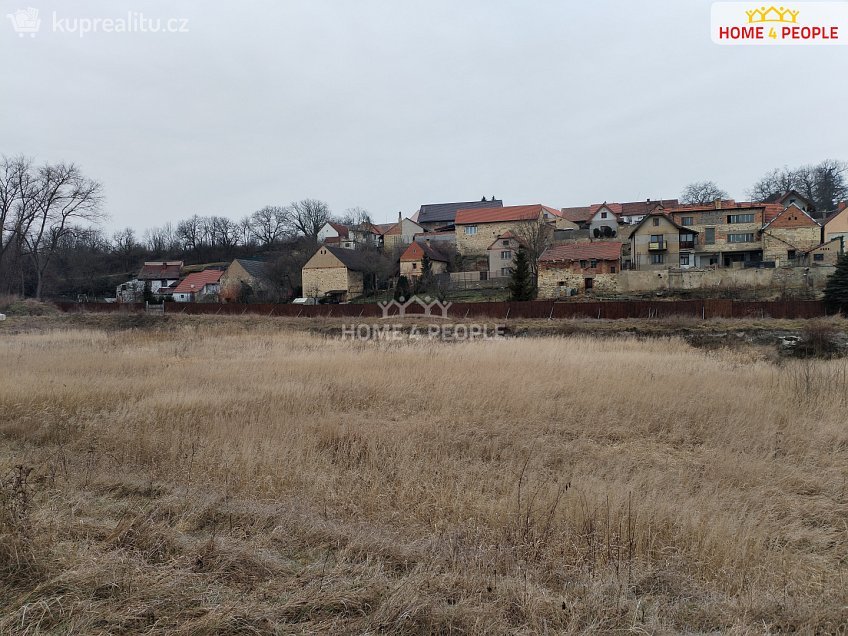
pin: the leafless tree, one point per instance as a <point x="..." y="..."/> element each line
<point x="702" y="192"/>
<point x="51" y="201"/>
<point x="356" y="217"/>
<point x="309" y="216"/>
<point x="160" y="240"/>
<point x="535" y="235"/>
<point x="271" y="224"/>
<point x="825" y="183"/>
<point x="190" y="233"/>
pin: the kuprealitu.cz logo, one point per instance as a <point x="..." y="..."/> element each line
<point x="803" y="23"/>
<point x="27" y="22"/>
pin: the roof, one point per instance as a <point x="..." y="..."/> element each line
<point x="161" y="270"/>
<point x="416" y="251"/>
<point x="500" y="214"/>
<point x="639" y="208"/>
<point x="197" y="281"/>
<point x="508" y="236"/>
<point x="781" y="198"/>
<point x="578" y="214"/>
<point x="446" y="212"/>
<point x="597" y="250"/>
<point x="338" y="227"/>
<point x="257" y="269"/>
<point x="352" y="259"/>
<point x="665" y="215"/>
<point x="397" y="228"/>
<point x="771" y="214"/>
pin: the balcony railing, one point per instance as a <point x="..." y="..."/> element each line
<point x="657" y="246"/>
<point x="684" y="245"/>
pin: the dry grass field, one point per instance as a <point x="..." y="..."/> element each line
<point x="203" y="479"/>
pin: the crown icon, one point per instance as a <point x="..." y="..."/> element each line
<point x="772" y="14"/>
<point x="427" y="304"/>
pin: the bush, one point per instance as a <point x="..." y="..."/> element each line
<point x="819" y="339"/>
<point x="28" y="307"/>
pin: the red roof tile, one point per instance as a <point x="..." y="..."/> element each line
<point x="498" y="215"/>
<point x="161" y="270"/>
<point x="195" y="282"/>
<point x="598" y="250"/>
<point x="416" y="251"/>
<point x="578" y="214"/>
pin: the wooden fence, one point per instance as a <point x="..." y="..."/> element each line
<point x="537" y="309"/>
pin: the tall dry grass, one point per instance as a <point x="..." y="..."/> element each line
<point x="203" y="480"/>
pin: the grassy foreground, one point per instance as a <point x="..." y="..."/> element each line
<point x="201" y="479"/>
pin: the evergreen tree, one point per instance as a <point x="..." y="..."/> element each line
<point x="521" y="285"/>
<point x="425" y="280"/>
<point x="836" y="290"/>
<point x="402" y="288"/>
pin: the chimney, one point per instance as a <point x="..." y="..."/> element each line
<point x="400" y="217"/>
<point x="718" y="204"/>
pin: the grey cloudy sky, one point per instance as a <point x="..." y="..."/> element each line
<point x="387" y="104"/>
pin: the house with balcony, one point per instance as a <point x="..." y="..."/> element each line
<point x="729" y="233"/>
<point x="659" y="242"/>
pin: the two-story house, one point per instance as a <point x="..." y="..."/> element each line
<point x="660" y="242"/>
<point x="502" y="253"/>
<point x="476" y="229"/>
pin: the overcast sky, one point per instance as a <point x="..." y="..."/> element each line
<point x="388" y="104"/>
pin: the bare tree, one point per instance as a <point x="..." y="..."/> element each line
<point x="190" y="233"/>
<point x="356" y="217"/>
<point x="270" y="224"/>
<point x="702" y="192"/>
<point x="51" y="201"/>
<point x="309" y="216"/>
<point x="535" y="235"/>
<point x="824" y="184"/>
<point x="160" y="240"/>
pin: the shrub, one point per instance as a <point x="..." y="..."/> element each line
<point x="819" y="339"/>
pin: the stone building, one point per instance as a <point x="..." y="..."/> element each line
<point x="580" y="267"/>
<point x="659" y="242"/>
<point x="412" y="260"/>
<point x="788" y="235"/>
<point x="334" y="272"/>
<point x="477" y="229"/>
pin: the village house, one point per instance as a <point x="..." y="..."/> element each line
<point x="199" y="287"/>
<point x="335" y="273"/>
<point x="502" y="253"/>
<point x="157" y="278"/>
<point x="436" y="216"/>
<point x="790" y="198"/>
<point x="729" y="231"/>
<point x="246" y="280"/>
<point x="836" y="225"/>
<point x="412" y="260"/>
<point x="613" y="215"/>
<point x="659" y="242"/>
<point x="400" y="234"/>
<point x="476" y="229"/>
<point x="825" y="254"/>
<point x="332" y="233"/>
<point x="788" y="235"/>
<point x="579" y="267"/>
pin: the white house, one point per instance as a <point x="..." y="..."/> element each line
<point x="203" y="285"/>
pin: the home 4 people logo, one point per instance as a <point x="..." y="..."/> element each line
<point x="415" y="306"/>
<point x="25" y="21"/>
<point x="756" y="23"/>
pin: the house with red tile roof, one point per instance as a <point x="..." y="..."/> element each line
<point x="789" y="235"/>
<point x="659" y="242"/>
<point x="199" y="286"/>
<point x="579" y="267"/>
<point x="412" y="259"/>
<point x="477" y="228"/>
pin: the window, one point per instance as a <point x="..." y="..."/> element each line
<point x="790" y="254"/>
<point x="583" y="264"/>
<point x="684" y="260"/>
<point x="740" y="218"/>
<point x="747" y="237"/>
<point x="415" y="266"/>
<point x="709" y="235"/>
<point x="506" y="254"/>
<point x="470" y="229"/>
<point x="506" y="271"/>
<point x="656" y="221"/>
<point x="818" y="257"/>
<point x="687" y="220"/>
<point x="656" y="238"/>
<point x="687" y="240"/>
<point x="593" y="263"/>
<point x="505" y="243"/>
<point x="603" y="215"/>
<point x="612" y="269"/>
<point x="657" y="259"/>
